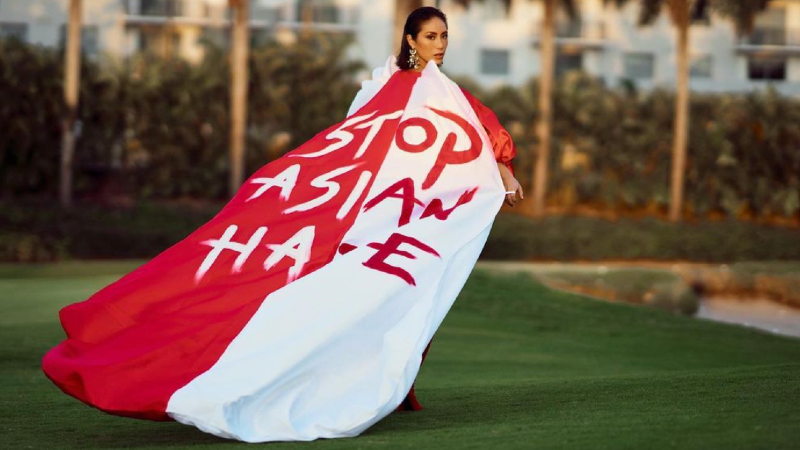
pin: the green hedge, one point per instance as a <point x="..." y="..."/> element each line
<point x="160" y="128"/>
<point x="40" y="231"/>
<point x="612" y="148"/>
<point x="567" y="238"/>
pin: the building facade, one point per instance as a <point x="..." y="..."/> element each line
<point x="607" y="43"/>
<point x="487" y="42"/>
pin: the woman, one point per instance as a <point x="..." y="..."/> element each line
<point x="425" y="39"/>
<point x="302" y="310"/>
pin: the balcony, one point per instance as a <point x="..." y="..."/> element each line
<point x="774" y="40"/>
<point x="323" y="17"/>
<point x="169" y="12"/>
<point x="143" y="13"/>
<point x="161" y="8"/>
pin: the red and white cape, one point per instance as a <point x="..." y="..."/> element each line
<point x="303" y="308"/>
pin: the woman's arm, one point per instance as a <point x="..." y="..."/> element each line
<point x="502" y="145"/>
<point x="511" y="184"/>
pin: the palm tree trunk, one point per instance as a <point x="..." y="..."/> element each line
<point x="306" y="18"/>
<point x="402" y="8"/>
<point x="72" y="74"/>
<point x="681" y="113"/>
<point x="545" y="123"/>
<point x="239" y="80"/>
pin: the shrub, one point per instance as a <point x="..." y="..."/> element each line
<point x="155" y="128"/>
<point x="612" y="148"/>
<point x="26" y="248"/>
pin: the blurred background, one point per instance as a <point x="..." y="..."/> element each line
<point x="658" y="141"/>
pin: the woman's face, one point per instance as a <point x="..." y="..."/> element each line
<point x="431" y="42"/>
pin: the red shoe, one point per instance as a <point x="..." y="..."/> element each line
<point x="410" y="403"/>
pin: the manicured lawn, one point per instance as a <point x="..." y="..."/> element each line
<point x="515" y="365"/>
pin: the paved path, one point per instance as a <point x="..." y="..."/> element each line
<point x="539" y="267"/>
<point x="758" y="313"/>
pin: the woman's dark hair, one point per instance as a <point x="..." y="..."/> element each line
<point x="413" y="26"/>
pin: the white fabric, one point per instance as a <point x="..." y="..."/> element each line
<point x="336" y="351"/>
<point x="380" y="75"/>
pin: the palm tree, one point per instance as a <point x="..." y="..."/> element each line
<point x="681" y="12"/>
<point x="72" y="76"/>
<point x="402" y="8"/>
<point x="544" y="125"/>
<point x="239" y="79"/>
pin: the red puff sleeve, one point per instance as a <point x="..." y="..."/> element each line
<point x="504" y="150"/>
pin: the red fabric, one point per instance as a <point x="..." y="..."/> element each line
<point x="410" y="403"/>
<point x="134" y="343"/>
<point x="131" y="345"/>
<point x="503" y="146"/>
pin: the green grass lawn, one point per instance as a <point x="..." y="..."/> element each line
<point x="515" y="365"/>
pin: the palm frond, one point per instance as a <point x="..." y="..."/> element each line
<point x="617" y="3"/>
<point x="697" y="9"/>
<point x="568" y="6"/>
<point x="650" y="10"/>
<point x="741" y="12"/>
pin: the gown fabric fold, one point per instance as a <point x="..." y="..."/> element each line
<point x="303" y="308"/>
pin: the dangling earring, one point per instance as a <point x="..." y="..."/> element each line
<point x="413" y="59"/>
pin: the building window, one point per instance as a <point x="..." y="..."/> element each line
<point x="89" y="39"/>
<point x="769" y="28"/>
<point x="494" y="62"/>
<point x="569" y="29"/>
<point x="639" y="65"/>
<point x="702" y="67"/>
<point x="767" y="36"/>
<point x="266" y="14"/>
<point x="566" y="26"/>
<point x="320" y="11"/>
<point x="766" y="68"/>
<point x="568" y="62"/>
<point x="10" y="30"/>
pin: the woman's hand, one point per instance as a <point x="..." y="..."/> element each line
<point x="511" y="184"/>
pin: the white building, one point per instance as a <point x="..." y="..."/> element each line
<point x="496" y="48"/>
<point x="486" y="42"/>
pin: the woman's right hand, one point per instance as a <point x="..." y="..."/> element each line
<point x="512" y="189"/>
<point x="511" y="184"/>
